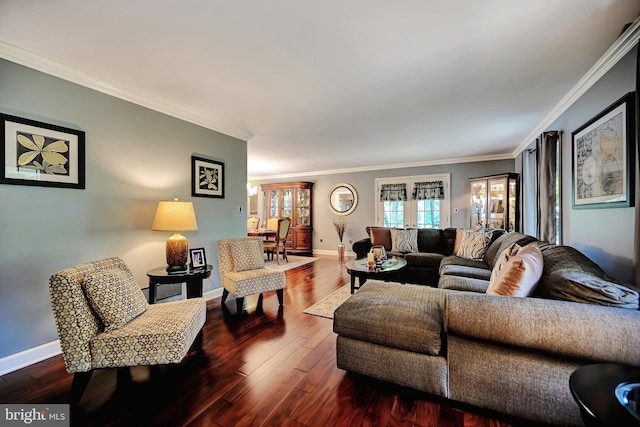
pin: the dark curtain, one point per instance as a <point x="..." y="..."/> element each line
<point x="636" y="272"/>
<point x="393" y="192"/>
<point x="428" y="190"/>
<point x="549" y="173"/>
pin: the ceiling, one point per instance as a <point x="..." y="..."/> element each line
<point x="333" y="85"/>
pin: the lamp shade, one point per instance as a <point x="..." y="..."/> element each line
<point x="174" y="216"/>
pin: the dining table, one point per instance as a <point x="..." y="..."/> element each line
<point x="262" y="232"/>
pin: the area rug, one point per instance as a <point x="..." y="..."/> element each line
<point x="327" y="305"/>
<point x="294" y="261"/>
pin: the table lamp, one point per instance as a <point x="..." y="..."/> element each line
<point x="175" y="216"/>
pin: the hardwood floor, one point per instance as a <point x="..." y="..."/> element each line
<point x="272" y="369"/>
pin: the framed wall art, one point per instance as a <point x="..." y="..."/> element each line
<point x="603" y="158"/>
<point x="41" y="154"/>
<point x="207" y="178"/>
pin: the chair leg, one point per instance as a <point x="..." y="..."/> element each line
<point x="225" y="294"/>
<point x="239" y="305"/>
<point x="197" y="343"/>
<point x="284" y="253"/>
<point x="280" y="293"/>
<point x="78" y="386"/>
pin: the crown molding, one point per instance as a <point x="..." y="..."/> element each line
<point x="387" y="166"/>
<point x="627" y="40"/>
<point x="31" y="60"/>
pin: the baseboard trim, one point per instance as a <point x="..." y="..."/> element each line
<point x="331" y="252"/>
<point x="31" y="356"/>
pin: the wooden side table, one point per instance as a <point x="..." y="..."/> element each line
<point x="193" y="279"/>
<point x="593" y="387"/>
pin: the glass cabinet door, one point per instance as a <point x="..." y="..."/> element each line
<point x="303" y="206"/>
<point x="287" y="202"/>
<point x="497" y="202"/>
<point x="511" y="218"/>
<point x="478" y="204"/>
<point x="274" y="203"/>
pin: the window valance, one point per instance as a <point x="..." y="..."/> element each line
<point x="428" y="190"/>
<point x="393" y="192"/>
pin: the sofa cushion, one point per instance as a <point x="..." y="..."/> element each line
<point x="458" y="266"/>
<point x="114" y="296"/>
<point x="424" y="260"/>
<point x="431" y="240"/>
<point x="474" y="245"/>
<point x="407" y="317"/>
<point x="582" y="287"/>
<point x="247" y="254"/>
<point x="460" y="283"/>
<point x="381" y="236"/>
<point x="520" y="275"/>
<point x="404" y="240"/>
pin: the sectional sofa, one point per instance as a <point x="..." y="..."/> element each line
<point x="506" y="354"/>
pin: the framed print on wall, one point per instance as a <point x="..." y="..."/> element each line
<point x="41" y="154"/>
<point x="603" y="158"/>
<point x="207" y="178"/>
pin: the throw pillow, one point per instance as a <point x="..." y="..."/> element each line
<point x="247" y="254"/>
<point x="115" y="297"/>
<point x="474" y="245"/>
<point x="504" y="257"/>
<point x="458" y="241"/>
<point x="520" y="275"/>
<point x="404" y="240"/>
<point x="381" y="236"/>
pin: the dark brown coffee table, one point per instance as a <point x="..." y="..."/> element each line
<point x="360" y="269"/>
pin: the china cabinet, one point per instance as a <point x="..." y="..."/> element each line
<point x="495" y="202"/>
<point x="293" y="200"/>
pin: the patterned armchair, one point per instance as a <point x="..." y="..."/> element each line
<point x="242" y="272"/>
<point x="104" y="321"/>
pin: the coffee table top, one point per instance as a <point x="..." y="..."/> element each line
<point x="388" y="266"/>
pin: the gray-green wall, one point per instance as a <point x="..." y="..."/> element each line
<point x="134" y="157"/>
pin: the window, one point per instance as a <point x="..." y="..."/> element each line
<point x="413" y="202"/>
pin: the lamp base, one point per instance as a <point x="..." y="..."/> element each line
<point x="177" y="248"/>
<point x="177" y="268"/>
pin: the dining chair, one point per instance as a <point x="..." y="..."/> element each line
<point x="253" y="222"/>
<point x="272" y="223"/>
<point x="273" y="247"/>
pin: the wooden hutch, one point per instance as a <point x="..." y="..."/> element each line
<point x="292" y="199"/>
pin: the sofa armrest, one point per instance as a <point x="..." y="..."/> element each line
<point x="362" y="247"/>
<point x="584" y="331"/>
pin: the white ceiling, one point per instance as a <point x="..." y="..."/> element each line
<point x="333" y="84"/>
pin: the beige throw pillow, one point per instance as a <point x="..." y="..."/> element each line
<point x="474" y="245"/>
<point x="404" y="240"/>
<point x="520" y="275"/>
<point x="115" y="297"/>
<point x="381" y="236"/>
<point x="458" y="241"/>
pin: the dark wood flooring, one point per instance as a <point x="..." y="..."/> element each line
<point x="277" y="368"/>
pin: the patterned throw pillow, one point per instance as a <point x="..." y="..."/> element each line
<point x="474" y="245"/>
<point x="504" y="257"/>
<point x="520" y="275"/>
<point x="247" y="254"/>
<point x="404" y="240"/>
<point x="114" y="296"/>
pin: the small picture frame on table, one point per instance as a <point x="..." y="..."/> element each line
<point x="198" y="258"/>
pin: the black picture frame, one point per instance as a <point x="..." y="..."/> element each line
<point x="41" y="154"/>
<point x="198" y="258"/>
<point x="603" y="158"/>
<point x="207" y="178"/>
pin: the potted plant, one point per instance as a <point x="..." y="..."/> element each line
<point x="340" y="225"/>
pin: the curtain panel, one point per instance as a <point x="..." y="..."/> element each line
<point x="433" y="190"/>
<point x="549" y="173"/>
<point x="393" y="192"/>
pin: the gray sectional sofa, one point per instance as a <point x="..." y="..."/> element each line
<point x="506" y="354"/>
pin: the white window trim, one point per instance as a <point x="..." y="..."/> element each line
<point x="445" y="205"/>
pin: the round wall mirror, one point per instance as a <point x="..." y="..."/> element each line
<point x="343" y="199"/>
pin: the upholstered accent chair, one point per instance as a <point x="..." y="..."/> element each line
<point x="272" y="223"/>
<point x="273" y="247"/>
<point x="253" y="222"/>
<point x="104" y="321"/>
<point x="242" y="272"/>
